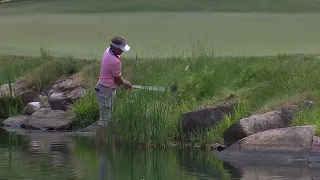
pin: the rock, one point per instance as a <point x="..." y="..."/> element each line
<point x="13" y="122"/>
<point x="284" y="145"/>
<point x="90" y="128"/>
<point x="279" y="118"/>
<point x="33" y="107"/>
<point x="65" y="93"/>
<point x="45" y="119"/>
<point x="205" y="118"/>
<point x="314" y="156"/>
<point x="28" y="96"/>
<point x="5" y="89"/>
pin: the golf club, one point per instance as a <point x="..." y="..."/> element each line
<point x="152" y="88"/>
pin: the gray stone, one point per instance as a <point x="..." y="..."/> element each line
<point x="205" y="118"/>
<point x="45" y="119"/>
<point x="65" y="93"/>
<point x="28" y="96"/>
<point x="33" y="107"/>
<point x="276" y="145"/>
<point x="279" y="118"/>
<point x="13" y="122"/>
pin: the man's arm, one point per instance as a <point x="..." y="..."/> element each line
<point x="116" y="72"/>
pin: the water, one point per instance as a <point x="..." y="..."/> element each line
<point x="51" y="156"/>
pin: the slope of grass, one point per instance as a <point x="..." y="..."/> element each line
<point x="263" y="83"/>
<point x="151" y="118"/>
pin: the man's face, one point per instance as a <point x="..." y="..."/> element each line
<point x="118" y="51"/>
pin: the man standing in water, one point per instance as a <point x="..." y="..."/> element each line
<point x="110" y="78"/>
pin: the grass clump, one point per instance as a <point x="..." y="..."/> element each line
<point x="144" y="118"/>
<point x="13" y="67"/>
<point x="86" y="110"/>
<point x="10" y="103"/>
<point x="141" y="117"/>
<point x="48" y="73"/>
<point x="308" y="116"/>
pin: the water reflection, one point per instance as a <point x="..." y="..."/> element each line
<point x="53" y="156"/>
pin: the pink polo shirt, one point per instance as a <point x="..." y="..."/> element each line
<point x="110" y="68"/>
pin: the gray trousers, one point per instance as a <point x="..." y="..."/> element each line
<point x="105" y="97"/>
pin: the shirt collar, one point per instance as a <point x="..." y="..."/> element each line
<point x="118" y="56"/>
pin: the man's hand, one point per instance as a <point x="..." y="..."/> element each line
<point x="120" y="81"/>
<point x="127" y="85"/>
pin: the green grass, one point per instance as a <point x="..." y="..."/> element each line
<point x="37" y="73"/>
<point x="308" y="116"/>
<point x="10" y="106"/>
<point x="157" y="34"/>
<point x="147" y="118"/>
<point x="263" y="83"/>
<point x="141" y="118"/>
<point x="100" y="6"/>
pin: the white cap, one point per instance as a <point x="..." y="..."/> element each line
<point x="123" y="47"/>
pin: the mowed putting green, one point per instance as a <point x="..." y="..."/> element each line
<point x="154" y="34"/>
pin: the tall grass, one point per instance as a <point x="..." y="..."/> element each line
<point x="10" y="102"/>
<point x="141" y="117"/>
<point x="86" y="109"/>
<point x="144" y="117"/>
<point x="308" y="116"/>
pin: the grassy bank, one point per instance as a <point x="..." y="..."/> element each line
<point x="151" y="118"/>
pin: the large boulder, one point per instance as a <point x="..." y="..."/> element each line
<point x="65" y="93"/>
<point x="205" y="118"/>
<point x="13" y="122"/>
<point x="278" y="118"/>
<point x="45" y="119"/>
<point x="28" y="96"/>
<point x="291" y="144"/>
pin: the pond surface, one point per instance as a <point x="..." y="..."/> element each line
<point x="53" y="156"/>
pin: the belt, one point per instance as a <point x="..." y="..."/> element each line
<point x="106" y="86"/>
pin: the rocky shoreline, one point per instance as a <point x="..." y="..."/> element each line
<point x="47" y="111"/>
<point x="268" y="136"/>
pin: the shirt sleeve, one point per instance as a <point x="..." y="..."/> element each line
<point x="116" y="69"/>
